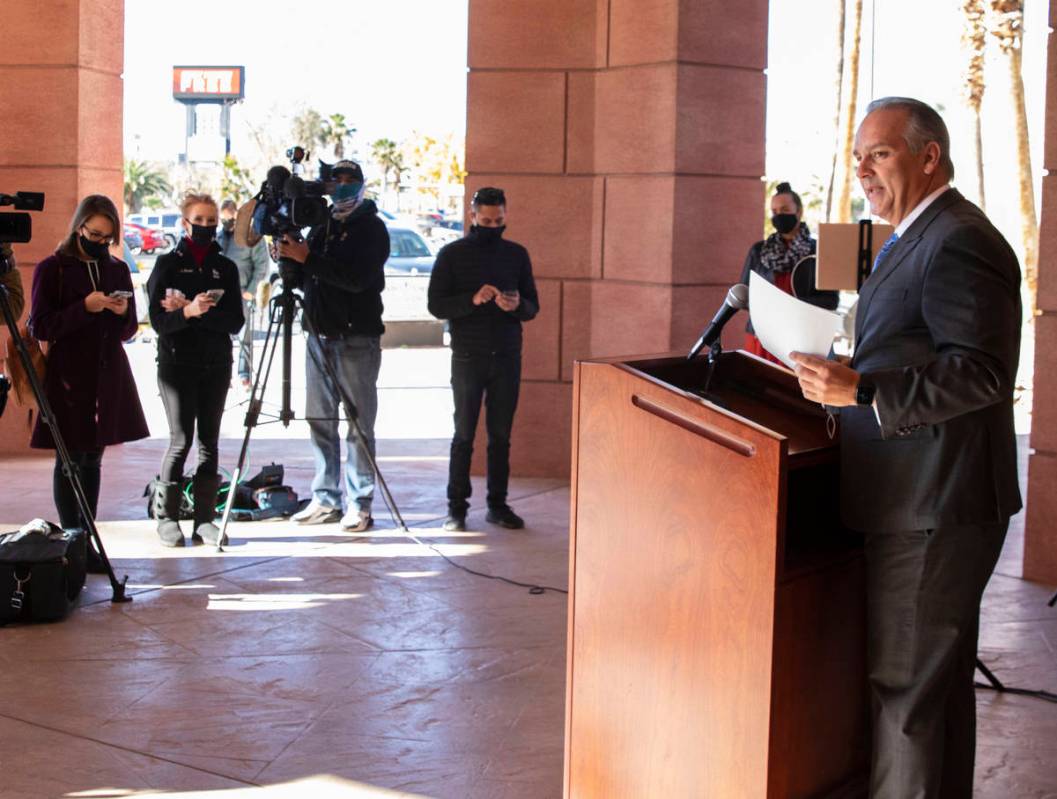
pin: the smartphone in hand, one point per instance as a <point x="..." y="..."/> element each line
<point x="215" y="294"/>
<point x="120" y="295"/>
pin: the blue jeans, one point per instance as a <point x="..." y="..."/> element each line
<point x="355" y="360"/>
<point x="245" y="338"/>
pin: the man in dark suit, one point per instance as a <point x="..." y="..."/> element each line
<point x="928" y="452"/>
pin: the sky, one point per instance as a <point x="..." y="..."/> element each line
<point x="397" y="66"/>
<point x="391" y="67"/>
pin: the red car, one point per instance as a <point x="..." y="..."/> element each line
<point x="152" y="239"/>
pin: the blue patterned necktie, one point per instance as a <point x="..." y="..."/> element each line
<point x="881" y="253"/>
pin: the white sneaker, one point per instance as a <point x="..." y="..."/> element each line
<point x="317" y="513"/>
<point x="357" y="521"/>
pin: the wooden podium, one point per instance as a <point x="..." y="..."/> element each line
<point x="716" y="608"/>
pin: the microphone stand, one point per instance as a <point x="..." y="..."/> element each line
<point x="714" y="353"/>
<point x="865" y="260"/>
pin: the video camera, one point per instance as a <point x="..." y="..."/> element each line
<point x="18" y="228"/>
<point x="287" y="203"/>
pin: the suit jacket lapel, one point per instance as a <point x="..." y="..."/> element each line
<point x="903" y="247"/>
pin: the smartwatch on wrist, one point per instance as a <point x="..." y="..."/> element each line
<point x="864" y="392"/>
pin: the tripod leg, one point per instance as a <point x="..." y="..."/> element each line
<point x="991" y="678"/>
<point x="252" y="414"/>
<point x="354" y="423"/>
<point x="48" y="418"/>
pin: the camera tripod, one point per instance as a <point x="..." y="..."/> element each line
<point x="68" y="469"/>
<point x="283" y="310"/>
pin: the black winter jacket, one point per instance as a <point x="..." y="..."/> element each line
<point x="344" y="274"/>
<point x="461" y="268"/>
<point x="204" y="340"/>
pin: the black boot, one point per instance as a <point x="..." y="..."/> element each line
<point x="167" y="512"/>
<point x="205" y="496"/>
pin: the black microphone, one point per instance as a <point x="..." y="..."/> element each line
<point x="737" y="300"/>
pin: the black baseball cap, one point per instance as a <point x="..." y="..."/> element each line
<point x="346" y="167"/>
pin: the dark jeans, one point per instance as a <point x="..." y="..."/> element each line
<point x="192" y="394"/>
<point x="89" y="467"/>
<point x="923" y="590"/>
<point x="495" y="378"/>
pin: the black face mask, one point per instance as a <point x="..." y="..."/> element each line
<point x="488" y="234"/>
<point x="785" y="223"/>
<point x="95" y="249"/>
<point x="203" y="234"/>
<point x="228" y="225"/>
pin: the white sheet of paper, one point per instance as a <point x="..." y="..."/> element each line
<point x="784" y="324"/>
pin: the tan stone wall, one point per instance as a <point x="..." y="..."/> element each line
<point x="629" y="137"/>
<point x="1040" y="538"/>
<point x="61" y="106"/>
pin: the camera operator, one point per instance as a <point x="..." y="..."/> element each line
<point x="12" y="280"/>
<point x="78" y="308"/>
<point x="342" y="262"/>
<point x="254" y="265"/>
<point x="196" y="307"/>
<point x="484" y="285"/>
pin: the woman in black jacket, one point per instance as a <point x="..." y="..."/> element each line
<point x="196" y="306"/>
<point x="786" y="258"/>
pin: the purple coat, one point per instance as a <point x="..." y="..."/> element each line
<point x="89" y="383"/>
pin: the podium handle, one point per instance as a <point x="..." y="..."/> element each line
<point x="713" y="434"/>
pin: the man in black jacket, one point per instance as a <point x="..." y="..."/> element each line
<point x="343" y="263"/>
<point x="484" y="286"/>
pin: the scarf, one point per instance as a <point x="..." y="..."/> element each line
<point x="775" y="256"/>
<point x="341" y="211"/>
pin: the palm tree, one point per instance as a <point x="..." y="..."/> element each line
<point x="974" y="39"/>
<point x="144" y="182"/>
<point x="836" y="109"/>
<point x="1009" y="30"/>
<point x="335" y="132"/>
<point x="848" y="121"/>
<point x="388" y="156"/>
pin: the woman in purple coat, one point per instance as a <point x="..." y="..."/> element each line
<point x="80" y="311"/>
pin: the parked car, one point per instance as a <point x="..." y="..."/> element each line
<point x="153" y="240"/>
<point x="408" y="253"/>
<point x="133" y="240"/>
<point x="166" y="221"/>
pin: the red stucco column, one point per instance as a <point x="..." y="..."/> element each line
<point x="629" y="137"/>
<point x="1040" y="537"/>
<point x="61" y="106"/>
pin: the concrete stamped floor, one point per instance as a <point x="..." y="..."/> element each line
<point x="314" y="663"/>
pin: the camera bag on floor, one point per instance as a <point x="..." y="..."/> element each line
<point x="42" y="570"/>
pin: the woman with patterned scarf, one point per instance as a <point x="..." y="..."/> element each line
<point x="786" y="258"/>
